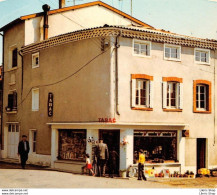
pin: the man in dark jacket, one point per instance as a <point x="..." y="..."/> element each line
<point x="102" y="157"/>
<point x="23" y="150"/>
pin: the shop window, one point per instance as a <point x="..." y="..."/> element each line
<point x="172" y="52"/>
<point x="35" y="99"/>
<point x="159" y="146"/>
<point x="172" y="94"/>
<point x="202" y="96"/>
<point x="72" y="145"/>
<point x="12" y="102"/>
<point x="142" y="48"/>
<point x="202" y="56"/>
<point x="35" y="60"/>
<point x="142" y="92"/>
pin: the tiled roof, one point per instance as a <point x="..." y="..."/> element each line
<point x="128" y="32"/>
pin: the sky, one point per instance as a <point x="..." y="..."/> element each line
<point x="196" y="18"/>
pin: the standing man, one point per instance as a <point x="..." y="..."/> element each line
<point x="102" y="157"/>
<point x="23" y="151"/>
<point x="141" y="165"/>
<point x="113" y="157"/>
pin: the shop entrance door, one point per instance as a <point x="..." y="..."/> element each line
<point x="112" y="139"/>
<point x="201" y="153"/>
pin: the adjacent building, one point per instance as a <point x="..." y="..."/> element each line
<point x="76" y="74"/>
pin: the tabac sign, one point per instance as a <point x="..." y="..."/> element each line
<point x="185" y="133"/>
<point x="50" y="104"/>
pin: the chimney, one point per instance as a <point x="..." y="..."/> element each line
<point x="46" y="9"/>
<point x="62" y="4"/>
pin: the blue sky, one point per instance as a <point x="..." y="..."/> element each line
<point x="189" y="17"/>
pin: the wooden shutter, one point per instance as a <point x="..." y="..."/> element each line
<point x="35" y="99"/>
<point x="164" y="94"/>
<point x="133" y="93"/>
<point x="180" y="95"/>
<point x="151" y="94"/>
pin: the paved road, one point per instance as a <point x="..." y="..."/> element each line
<point x="17" y="178"/>
<point x="11" y="176"/>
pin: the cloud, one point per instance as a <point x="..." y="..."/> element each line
<point x="2" y="0"/>
<point x="213" y="0"/>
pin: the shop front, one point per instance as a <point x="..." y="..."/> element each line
<point x="163" y="148"/>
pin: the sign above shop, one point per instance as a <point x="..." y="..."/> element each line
<point x="185" y="133"/>
<point x="50" y="104"/>
<point x="107" y="120"/>
<point x="156" y="133"/>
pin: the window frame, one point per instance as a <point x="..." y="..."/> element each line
<point x="33" y="99"/>
<point x="208" y="96"/>
<point x="10" y="57"/>
<point x="202" y="50"/>
<point x="149" y="105"/>
<point x="179" y="94"/>
<point x="13" y="108"/>
<point x="179" y="50"/>
<point x="148" y="43"/>
<point x="33" y="62"/>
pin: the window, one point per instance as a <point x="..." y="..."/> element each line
<point x="35" y="60"/>
<point x="72" y="144"/>
<point x="172" y="52"/>
<point x="14" y="58"/>
<point x="202" y="56"/>
<point x="159" y="146"/>
<point x="12" y="102"/>
<point x="13" y="53"/>
<point x="142" y="92"/>
<point x="32" y="139"/>
<point x="172" y="94"/>
<point x="141" y="48"/>
<point x="35" y="99"/>
<point x="202" y="96"/>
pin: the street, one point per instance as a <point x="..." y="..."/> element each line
<point x="11" y="176"/>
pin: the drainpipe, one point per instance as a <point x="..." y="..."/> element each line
<point x="214" y="97"/>
<point x="46" y="9"/>
<point x="21" y="55"/>
<point x="116" y="73"/>
<point x="2" y="74"/>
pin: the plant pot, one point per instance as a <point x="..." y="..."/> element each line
<point x="123" y="174"/>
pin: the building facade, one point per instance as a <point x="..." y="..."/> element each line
<point x="115" y="78"/>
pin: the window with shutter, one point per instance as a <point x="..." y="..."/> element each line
<point x="172" y="94"/>
<point x="172" y="52"/>
<point x="142" y="48"/>
<point x="35" y="99"/>
<point x="142" y="92"/>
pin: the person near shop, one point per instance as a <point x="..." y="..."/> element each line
<point x="102" y="157"/>
<point x="23" y="150"/>
<point x="113" y="159"/>
<point x="88" y="165"/>
<point x="141" y="165"/>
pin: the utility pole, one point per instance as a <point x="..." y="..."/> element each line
<point x="131" y="7"/>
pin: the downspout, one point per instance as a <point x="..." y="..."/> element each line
<point x="214" y="96"/>
<point x="21" y="55"/>
<point x="2" y="73"/>
<point x="46" y="9"/>
<point x="116" y="73"/>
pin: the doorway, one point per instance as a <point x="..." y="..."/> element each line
<point x="112" y="139"/>
<point x="201" y="153"/>
<point x="13" y="140"/>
